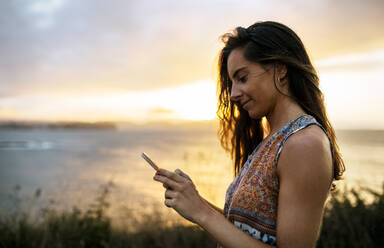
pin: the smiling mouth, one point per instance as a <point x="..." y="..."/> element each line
<point x="243" y="106"/>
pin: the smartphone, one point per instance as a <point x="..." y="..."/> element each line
<point x="154" y="166"/>
<point x="150" y="162"/>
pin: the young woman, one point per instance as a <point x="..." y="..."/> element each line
<point x="274" y="123"/>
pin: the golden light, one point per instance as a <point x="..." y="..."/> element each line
<point x="353" y="82"/>
<point x="194" y="101"/>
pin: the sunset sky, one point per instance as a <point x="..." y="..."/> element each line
<point x="141" y="61"/>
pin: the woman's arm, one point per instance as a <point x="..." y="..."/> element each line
<point x="182" y="196"/>
<point x="225" y="233"/>
<point x="305" y="175"/>
<point x="305" y="172"/>
<point x="214" y="207"/>
<point x="181" y="173"/>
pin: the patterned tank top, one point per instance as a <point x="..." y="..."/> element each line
<point x="251" y="199"/>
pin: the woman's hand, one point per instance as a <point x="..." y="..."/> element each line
<point x="181" y="194"/>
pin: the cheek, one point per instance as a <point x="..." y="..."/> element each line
<point x="261" y="94"/>
<point x="263" y="99"/>
<point x="268" y="91"/>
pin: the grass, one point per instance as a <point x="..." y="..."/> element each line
<point x="349" y="221"/>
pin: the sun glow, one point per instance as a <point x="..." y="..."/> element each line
<point x="351" y="84"/>
<point x="194" y="101"/>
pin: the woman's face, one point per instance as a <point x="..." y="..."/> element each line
<point x="252" y="85"/>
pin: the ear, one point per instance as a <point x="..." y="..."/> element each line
<point x="280" y="71"/>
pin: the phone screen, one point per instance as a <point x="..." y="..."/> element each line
<point x="150" y="162"/>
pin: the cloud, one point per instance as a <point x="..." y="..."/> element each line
<point x="352" y="86"/>
<point x="98" y="46"/>
<point x="78" y="44"/>
<point x="359" y="62"/>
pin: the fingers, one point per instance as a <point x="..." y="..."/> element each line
<point x="178" y="171"/>
<point x="170" y="198"/>
<point x="170" y="194"/>
<point x="169" y="203"/>
<point x="172" y="175"/>
<point x="167" y="183"/>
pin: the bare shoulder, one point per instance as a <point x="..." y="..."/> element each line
<point x="309" y="141"/>
<point x="311" y="138"/>
<point x="308" y="154"/>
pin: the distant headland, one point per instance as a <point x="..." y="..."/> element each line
<point x="57" y="125"/>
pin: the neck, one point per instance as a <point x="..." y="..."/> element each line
<point x="283" y="112"/>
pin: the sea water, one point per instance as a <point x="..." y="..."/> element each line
<point x="68" y="167"/>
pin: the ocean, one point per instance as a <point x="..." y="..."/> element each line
<point x="69" y="167"/>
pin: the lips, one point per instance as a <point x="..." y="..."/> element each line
<point x="244" y="104"/>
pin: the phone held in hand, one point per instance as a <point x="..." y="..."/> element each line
<point x="149" y="161"/>
<point x="155" y="167"/>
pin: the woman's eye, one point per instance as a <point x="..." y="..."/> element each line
<point x="243" y="79"/>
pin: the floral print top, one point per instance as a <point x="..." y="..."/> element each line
<point x="251" y="199"/>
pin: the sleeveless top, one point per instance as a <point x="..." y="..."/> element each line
<point x="251" y="199"/>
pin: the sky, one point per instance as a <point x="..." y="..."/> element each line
<point x="143" y="61"/>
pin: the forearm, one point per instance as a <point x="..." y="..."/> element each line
<point x="225" y="233"/>
<point x="214" y="207"/>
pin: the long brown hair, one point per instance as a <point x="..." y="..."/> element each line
<point x="268" y="43"/>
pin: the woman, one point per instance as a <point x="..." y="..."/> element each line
<point x="274" y="123"/>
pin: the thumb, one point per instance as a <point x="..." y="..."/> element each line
<point x="178" y="171"/>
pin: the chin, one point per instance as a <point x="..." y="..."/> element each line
<point x="255" y="115"/>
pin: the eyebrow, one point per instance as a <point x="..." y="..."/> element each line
<point x="237" y="71"/>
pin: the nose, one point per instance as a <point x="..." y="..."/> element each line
<point x="235" y="93"/>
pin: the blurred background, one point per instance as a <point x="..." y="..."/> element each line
<point x="86" y="86"/>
